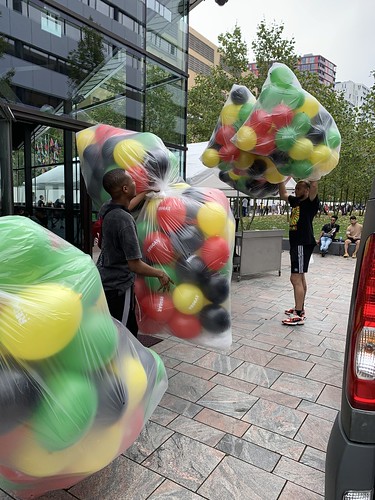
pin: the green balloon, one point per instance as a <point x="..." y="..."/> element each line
<point x="154" y="283"/>
<point x="160" y="368"/>
<point x="333" y="138"/>
<point x="285" y="138"/>
<point x="301" y="123"/>
<point x="148" y="140"/>
<point x="282" y="76"/>
<point x="92" y="347"/>
<point x="272" y="95"/>
<point x="224" y="167"/>
<point x="144" y="228"/>
<point x="285" y="169"/>
<point x="245" y="111"/>
<point x="300" y="169"/>
<point x="66" y="412"/>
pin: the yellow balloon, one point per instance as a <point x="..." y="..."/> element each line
<point x="229" y="232"/>
<point x="210" y="158"/>
<point x="330" y="164"/>
<point x="180" y="186"/>
<point x="310" y="106"/>
<point x="151" y="209"/>
<point x="302" y="149"/>
<point x="232" y="175"/>
<point x="229" y="114"/>
<point x="96" y="450"/>
<point x="246" y="138"/>
<point x="212" y="218"/>
<point x="83" y="139"/>
<point x="244" y="161"/>
<point x="32" y="459"/>
<point x="321" y="153"/>
<point x="135" y="379"/>
<point x="40" y="321"/>
<point x="129" y="152"/>
<point x="188" y="298"/>
<point x="273" y="176"/>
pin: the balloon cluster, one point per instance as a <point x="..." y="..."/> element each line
<point x="75" y="386"/>
<point x="255" y="175"/>
<point x="143" y="155"/>
<point x="290" y="127"/>
<point x="189" y="233"/>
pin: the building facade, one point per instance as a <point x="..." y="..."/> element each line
<point x="70" y="64"/>
<point x="203" y="55"/>
<point x="354" y="93"/>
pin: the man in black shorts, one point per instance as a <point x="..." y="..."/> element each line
<point x="305" y="205"/>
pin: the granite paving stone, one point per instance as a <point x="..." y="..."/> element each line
<point x="291" y="365"/>
<point x="324" y="361"/>
<point x="222" y="422"/>
<point x="314" y="432"/>
<point x="228" y="401"/>
<point x="331" y="397"/>
<point x="298" y="386"/>
<point x="183" y="352"/>
<point x="256" y="374"/>
<point x="233" y="383"/>
<point x="163" y="416"/>
<point x="290" y="353"/>
<point x="275" y="417"/>
<point x="318" y="410"/>
<point x="219" y="363"/>
<point x="303" y="475"/>
<point x="295" y="492"/>
<point x="184" y="461"/>
<point x="179" y="405"/>
<point x="256" y="344"/>
<point x="151" y="437"/>
<point x="188" y="387"/>
<point x="197" y="430"/>
<point x="256" y="356"/>
<point x="274" y="442"/>
<point x="196" y="370"/>
<point x="248" y="452"/>
<point x="327" y="374"/>
<point x="314" y="458"/>
<point x="172" y="491"/>
<point x="235" y="479"/>
<point x="275" y="396"/>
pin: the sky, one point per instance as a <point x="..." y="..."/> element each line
<point x="342" y="31"/>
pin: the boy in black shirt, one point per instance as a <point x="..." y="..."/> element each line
<point x="328" y="234"/>
<point x="304" y="205"/>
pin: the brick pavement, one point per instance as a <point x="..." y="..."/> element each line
<point x="249" y="423"/>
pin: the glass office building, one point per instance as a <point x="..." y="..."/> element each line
<point x="65" y="65"/>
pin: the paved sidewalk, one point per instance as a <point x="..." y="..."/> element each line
<point x="250" y="423"/>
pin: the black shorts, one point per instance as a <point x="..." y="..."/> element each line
<point x="353" y="240"/>
<point x="300" y="258"/>
<point x="122" y="307"/>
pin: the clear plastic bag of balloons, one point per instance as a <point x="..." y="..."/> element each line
<point x="189" y="233"/>
<point x="143" y="155"/>
<point x="75" y="386"/>
<point x="254" y="175"/>
<point x="290" y="127"/>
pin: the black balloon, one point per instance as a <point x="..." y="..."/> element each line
<point x="19" y="394"/>
<point x="258" y="168"/>
<point x="317" y="134"/>
<point x="279" y="158"/>
<point x="216" y="290"/>
<point x="108" y="147"/>
<point x="195" y="194"/>
<point x="214" y="318"/>
<point x="113" y="398"/>
<point x="157" y="164"/>
<point x="239" y="95"/>
<point x="192" y="270"/>
<point x="187" y="240"/>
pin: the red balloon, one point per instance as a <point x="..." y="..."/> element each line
<point x="215" y="252"/>
<point x="229" y="152"/>
<point x="224" y="134"/>
<point x="265" y="144"/>
<point x="140" y="177"/>
<point x="213" y="194"/>
<point x="158" y="248"/>
<point x="158" y="307"/>
<point x="140" y="288"/>
<point x="282" y="115"/>
<point x="260" y="121"/>
<point x="171" y="214"/>
<point x="184" y="326"/>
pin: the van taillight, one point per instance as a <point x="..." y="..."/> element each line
<point x="361" y="361"/>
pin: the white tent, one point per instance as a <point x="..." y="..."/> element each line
<point x="54" y="178"/>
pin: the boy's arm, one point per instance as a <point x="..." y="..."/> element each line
<point x="313" y="190"/>
<point x="283" y="193"/>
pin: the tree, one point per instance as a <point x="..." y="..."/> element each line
<point x="209" y="93"/>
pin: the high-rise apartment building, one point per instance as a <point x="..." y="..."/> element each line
<point x="68" y="64"/>
<point x="354" y="93"/>
<point x="203" y="55"/>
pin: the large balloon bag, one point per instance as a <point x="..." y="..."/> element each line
<point x="254" y="175"/>
<point x="188" y="233"/>
<point x="76" y="387"/>
<point x="143" y="155"/>
<point x="290" y="127"/>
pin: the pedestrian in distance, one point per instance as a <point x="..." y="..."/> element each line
<point x="305" y="205"/>
<point x="328" y="234"/>
<point x="120" y="258"/>
<point x="353" y="235"/>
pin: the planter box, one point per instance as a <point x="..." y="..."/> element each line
<point x="260" y="251"/>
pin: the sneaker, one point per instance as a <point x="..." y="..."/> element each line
<point x="292" y="312"/>
<point x="346" y="255"/>
<point x="294" y="320"/>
